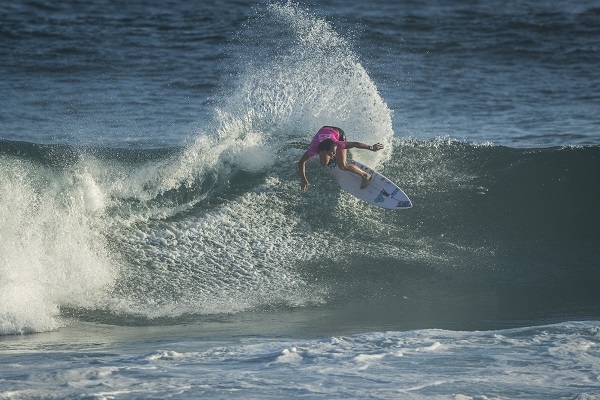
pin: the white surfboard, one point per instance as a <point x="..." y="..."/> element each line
<point x="381" y="191"/>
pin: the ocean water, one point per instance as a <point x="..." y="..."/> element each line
<point x="154" y="242"/>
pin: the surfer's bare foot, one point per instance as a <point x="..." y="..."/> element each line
<point x="365" y="181"/>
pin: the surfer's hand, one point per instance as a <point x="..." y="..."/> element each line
<point x="376" y="147"/>
<point x="304" y="184"/>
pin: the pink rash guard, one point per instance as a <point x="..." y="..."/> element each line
<point x="324" y="133"/>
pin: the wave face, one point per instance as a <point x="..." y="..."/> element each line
<point x="219" y="226"/>
<point x="87" y="234"/>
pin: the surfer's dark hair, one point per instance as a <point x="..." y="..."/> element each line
<point x="326" y="145"/>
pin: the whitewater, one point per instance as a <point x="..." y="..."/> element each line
<point x="155" y="244"/>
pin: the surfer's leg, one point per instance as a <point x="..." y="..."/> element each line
<point x="342" y="164"/>
<point x="365" y="179"/>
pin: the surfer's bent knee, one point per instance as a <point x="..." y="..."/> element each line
<point x="343" y="167"/>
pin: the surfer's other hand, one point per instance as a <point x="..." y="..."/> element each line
<point x="376" y="147"/>
<point x="304" y="185"/>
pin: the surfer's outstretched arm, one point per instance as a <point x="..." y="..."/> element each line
<point x="302" y="169"/>
<point x="359" y="145"/>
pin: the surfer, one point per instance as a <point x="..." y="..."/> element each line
<point x="331" y="142"/>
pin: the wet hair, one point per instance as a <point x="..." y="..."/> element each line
<point x="326" y="145"/>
